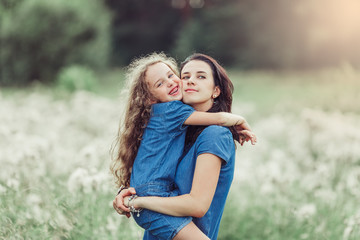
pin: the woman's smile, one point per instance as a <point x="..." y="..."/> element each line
<point x="198" y="85"/>
<point x="190" y="90"/>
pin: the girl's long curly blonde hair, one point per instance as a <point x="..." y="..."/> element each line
<point x="137" y="115"/>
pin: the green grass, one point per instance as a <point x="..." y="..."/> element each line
<point x="328" y="89"/>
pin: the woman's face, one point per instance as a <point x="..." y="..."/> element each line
<point x="163" y="83"/>
<point x="199" y="88"/>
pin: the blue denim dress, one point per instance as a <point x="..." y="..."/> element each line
<point x="154" y="168"/>
<point x="218" y="141"/>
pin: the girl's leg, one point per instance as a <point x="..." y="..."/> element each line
<point x="190" y="231"/>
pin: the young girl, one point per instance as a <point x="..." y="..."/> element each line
<point x="147" y="158"/>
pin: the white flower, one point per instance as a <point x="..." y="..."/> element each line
<point x="306" y="211"/>
<point x="33" y="199"/>
<point x="77" y="179"/>
<point x="13" y="183"/>
<point x="2" y="189"/>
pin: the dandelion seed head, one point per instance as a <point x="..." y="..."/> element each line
<point x="2" y="189"/>
<point x="305" y="211"/>
<point x="13" y="183"/>
<point x="33" y="199"/>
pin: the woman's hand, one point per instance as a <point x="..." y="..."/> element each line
<point x="119" y="202"/>
<point x="245" y="136"/>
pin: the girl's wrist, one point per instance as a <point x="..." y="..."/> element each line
<point x="133" y="201"/>
<point x="132" y="205"/>
<point x="137" y="203"/>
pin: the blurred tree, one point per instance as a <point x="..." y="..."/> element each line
<point x="39" y="37"/>
<point x="246" y="33"/>
<point x="142" y="26"/>
<point x="273" y="33"/>
<point x="211" y="29"/>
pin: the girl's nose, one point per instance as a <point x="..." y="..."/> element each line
<point x="170" y="82"/>
<point x="177" y="80"/>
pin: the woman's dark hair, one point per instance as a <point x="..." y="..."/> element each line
<point x="222" y="103"/>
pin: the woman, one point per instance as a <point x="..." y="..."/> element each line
<point x="205" y="173"/>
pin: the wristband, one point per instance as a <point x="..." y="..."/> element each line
<point x="122" y="187"/>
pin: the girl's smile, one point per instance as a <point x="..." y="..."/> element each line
<point x="174" y="91"/>
<point x="163" y="83"/>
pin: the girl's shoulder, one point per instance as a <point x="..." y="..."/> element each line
<point x="169" y="106"/>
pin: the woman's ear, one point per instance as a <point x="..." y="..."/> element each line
<point x="216" y="92"/>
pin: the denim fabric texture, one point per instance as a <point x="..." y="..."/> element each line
<point x="154" y="168"/>
<point x="216" y="140"/>
<point x="161" y="226"/>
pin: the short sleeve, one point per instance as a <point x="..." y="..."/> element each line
<point x="176" y="114"/>
<point x="216" y="140"/>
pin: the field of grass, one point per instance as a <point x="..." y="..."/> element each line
<point x="301" y="181"/>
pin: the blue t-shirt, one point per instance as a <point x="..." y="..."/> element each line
<point x="162" y="144"/>
<point x="216" y="140"/>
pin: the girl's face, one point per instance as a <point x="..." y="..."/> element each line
<point x="199" y="88"/>
<point x="163" y="83"/>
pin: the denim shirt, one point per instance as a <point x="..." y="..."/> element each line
<point x="161" y="146"/>
<point x="216" y="140"/>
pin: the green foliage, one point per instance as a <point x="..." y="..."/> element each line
<point x="39" y="37"/>
<point x="212" y="30"/>
<point x="77" y="78"/>
<point x="141" y="27"/>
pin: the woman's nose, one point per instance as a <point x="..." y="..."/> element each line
<point x="190" y="81"/>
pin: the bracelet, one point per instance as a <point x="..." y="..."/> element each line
<point x="131" y="207"/>
<point x="122" y="187"/>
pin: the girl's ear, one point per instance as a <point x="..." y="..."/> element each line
<point x="216" y="92"/>
<point x="151" y="101"/>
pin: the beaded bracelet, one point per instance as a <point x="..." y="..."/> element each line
<point x="131" y="207"/>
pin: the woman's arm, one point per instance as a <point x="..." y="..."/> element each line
<point x="197" y="202"/>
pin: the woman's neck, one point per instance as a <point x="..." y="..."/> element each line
<point x="202" y="107"/>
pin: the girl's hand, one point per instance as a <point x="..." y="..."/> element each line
<point x="119" y="204"/>
<point x="246" y="135"/>
<point x="242" y="126"/>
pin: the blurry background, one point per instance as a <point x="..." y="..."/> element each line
<point x="246" y="34"/>
<point x="295" y="67"/>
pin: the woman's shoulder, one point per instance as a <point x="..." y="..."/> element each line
<point x="216" y="131"/>
<point x="217" y="140"/>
